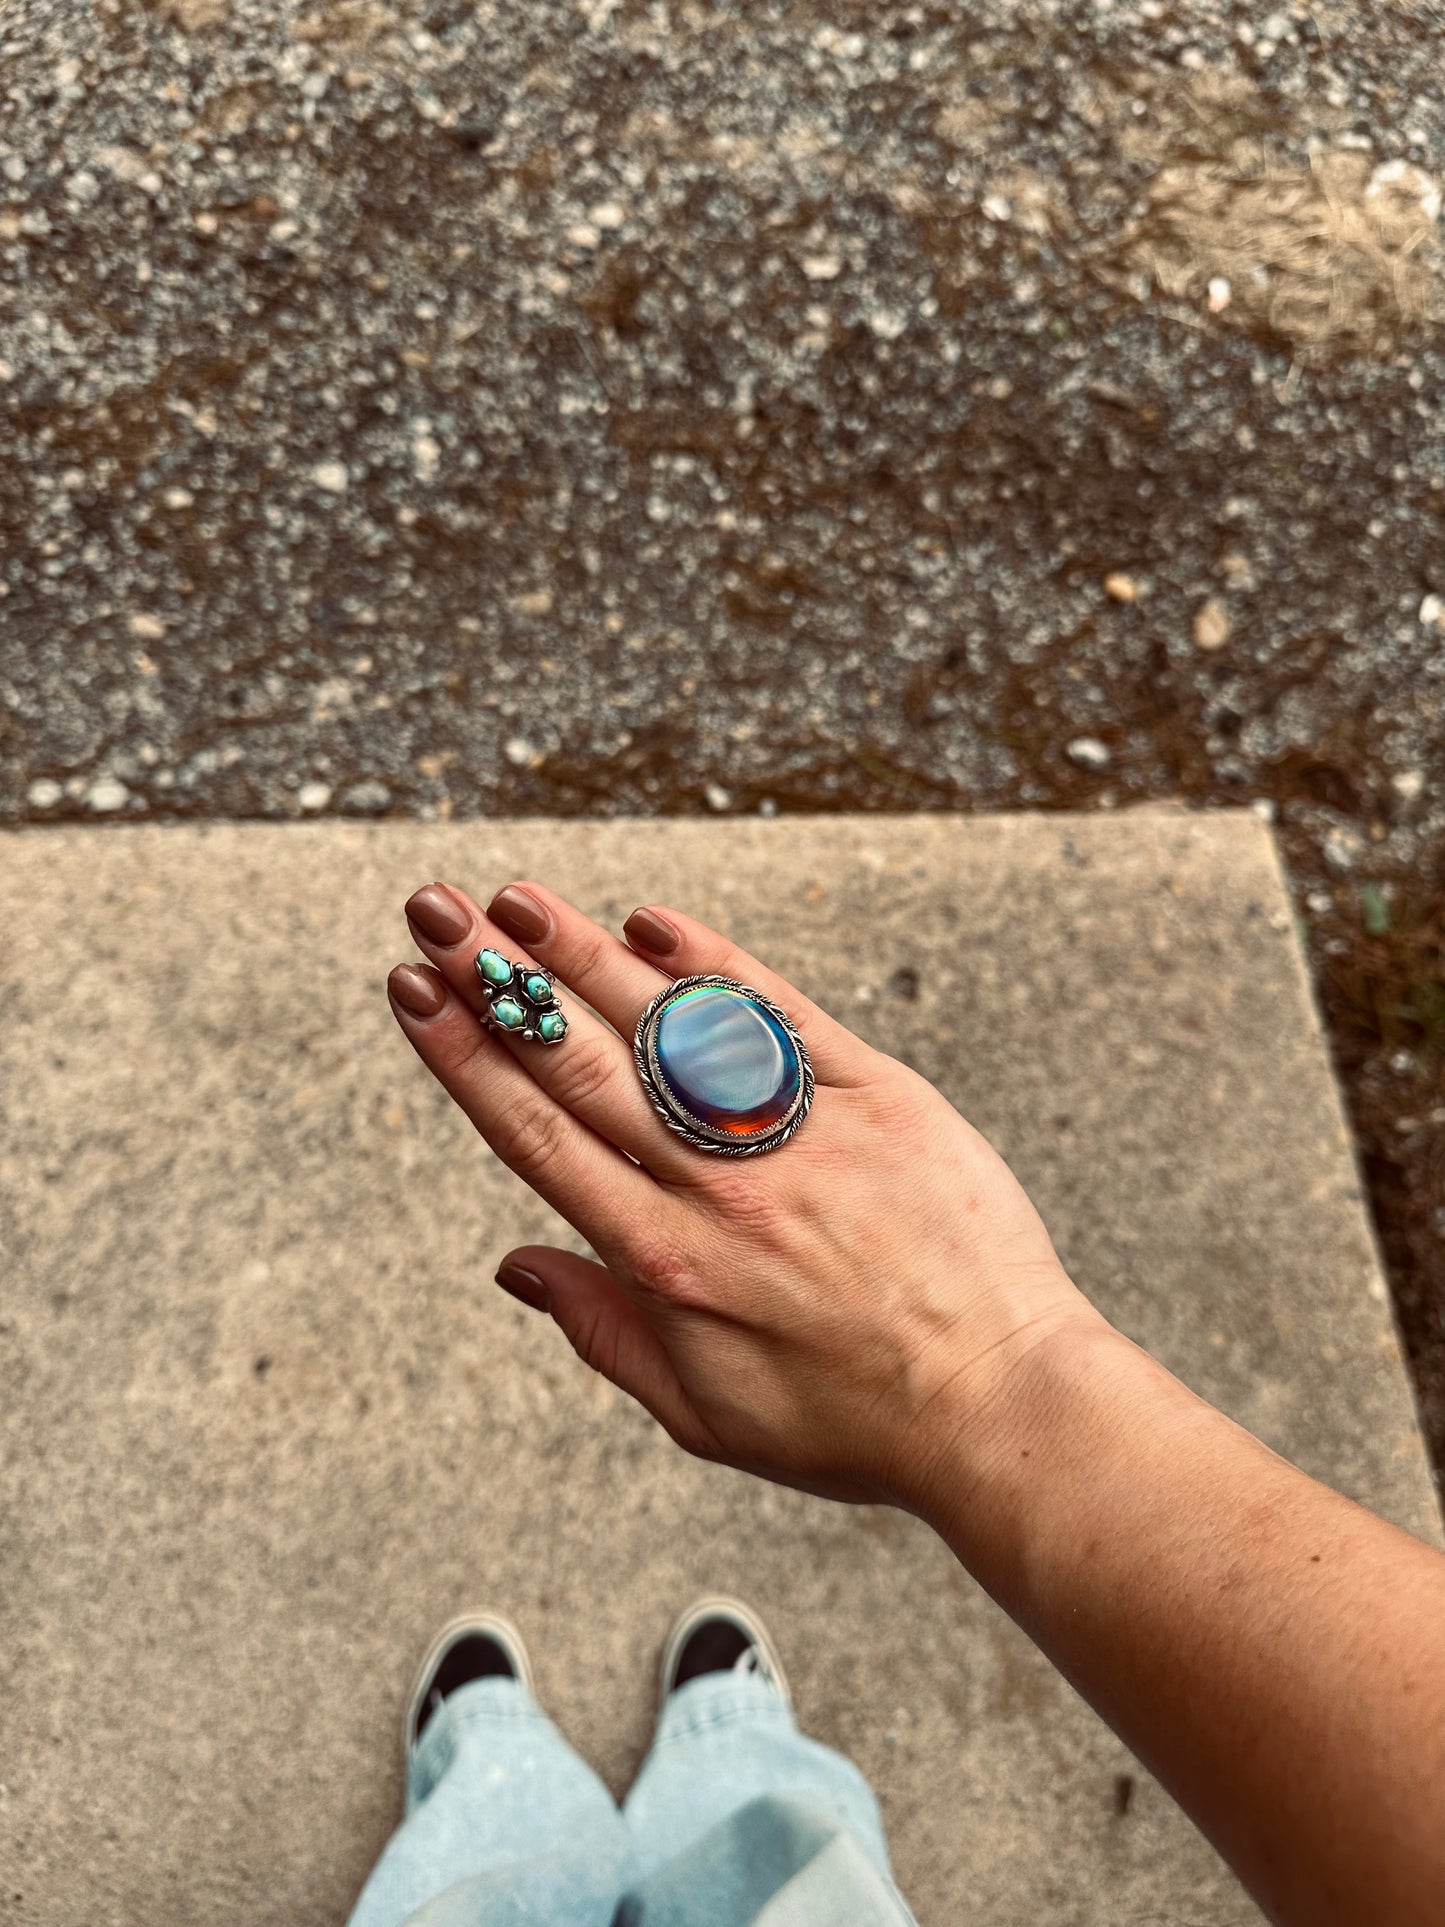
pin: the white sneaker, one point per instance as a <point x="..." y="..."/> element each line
<point x="476" y="1646"/>
<point x="721" y="1636"/>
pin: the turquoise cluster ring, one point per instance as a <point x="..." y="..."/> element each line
<point x="724" y="1066"/>
<point x="521" y="999"/>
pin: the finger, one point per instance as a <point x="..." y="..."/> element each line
<point x="684" y="948"/>
<point x="607" y="1332"/>
<point x="584" y="1177"/>
<point x="591" y="1073"/>
<point x="587" y="958"/>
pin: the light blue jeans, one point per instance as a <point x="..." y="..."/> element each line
<point x="735" y="1817"/>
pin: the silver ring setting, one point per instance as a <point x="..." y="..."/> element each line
<point x="521" y="999"/>
<point x="724" y="1066"/>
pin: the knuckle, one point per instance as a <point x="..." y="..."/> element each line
<point x="747" y="1201"/>
<point x="473" y="1050"/>
<point x="892" y="1109"/>
<point x="585" y="1072"/>
<point x="587" y="952"/>
<point x="666" y="1269"/>
<point x="729" y="1192"/>
<point x="594" y="1339"/>
<point x="533" y="1137"/>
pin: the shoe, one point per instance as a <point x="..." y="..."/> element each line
<point x="477" y="1646"/>
<point x="721" y="1636"/>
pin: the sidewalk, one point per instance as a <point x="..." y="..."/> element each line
<point x="265" y="1423"/>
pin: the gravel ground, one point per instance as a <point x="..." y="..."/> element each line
<point x="443" y="407"/>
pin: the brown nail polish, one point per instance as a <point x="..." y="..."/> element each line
<point x="438" y="915"/>
<point x="417" y="990"/>
<point x="524" y="1285"/>
<point x="520" y="915"/>
<point x="648" y="931"/>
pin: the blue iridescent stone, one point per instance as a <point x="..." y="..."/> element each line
<point x="727" y="1060"/>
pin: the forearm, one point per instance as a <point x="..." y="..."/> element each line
<point x="881" y="1311"/>
<point x="1271" y="1651"/>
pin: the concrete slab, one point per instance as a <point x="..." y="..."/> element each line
<point x="265" y="1422"/>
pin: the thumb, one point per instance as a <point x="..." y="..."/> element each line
<point x="607" y="1332"/>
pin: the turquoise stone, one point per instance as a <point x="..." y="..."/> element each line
<point x="494" y="967"/>
<point x="537" y="988"/>
<point x="727" y="1060"/>
<point x="551" y="1025"/>
<point x="509" y="1013"/>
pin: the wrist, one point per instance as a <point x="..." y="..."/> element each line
<point x="990" y="1456"/>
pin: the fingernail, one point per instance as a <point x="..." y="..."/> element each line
<point x="416" y="990"/>
<point x="520" y="915"/>
<point x="524" y="1285"/>
<point x="648" y="931"/>
<point x="438" y="915"/>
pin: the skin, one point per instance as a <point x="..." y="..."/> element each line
<point x="1272" y="1652"/>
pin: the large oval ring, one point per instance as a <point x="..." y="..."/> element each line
<point x="724" y="1067"/>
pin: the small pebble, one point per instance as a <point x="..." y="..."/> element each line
<point x="147" y="628"/>
<point x="1121" y="588"/>
<point x="106" y="795"/>
<point x="1088" y="752"/>
<point x="1211" y="625"/>
<point x="365" y="799"/>
<point x="314" y="796"/>
<point x="518" y="751"/>
<point x="334" y="477"/>
<point x="717" y="797"/>
<point x="1340" y="850"/>
<point x="44" y="793"/>
<point x="1409" y="783"/>
<point x="426" y="454"/>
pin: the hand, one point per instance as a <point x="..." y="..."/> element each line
<point x="827" y="1314"/>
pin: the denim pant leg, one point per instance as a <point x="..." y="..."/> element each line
<point x="503" y="1819"/>
<point x="725" y="1740"/>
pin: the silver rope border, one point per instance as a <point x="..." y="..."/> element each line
<point x="675" y="1115"/>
